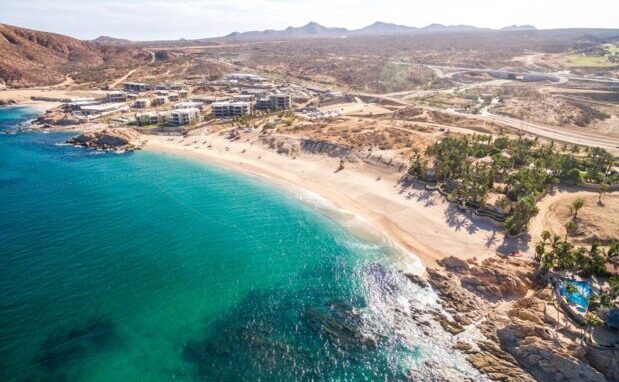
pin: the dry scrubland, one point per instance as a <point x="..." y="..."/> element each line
<point x="414" y="115"/>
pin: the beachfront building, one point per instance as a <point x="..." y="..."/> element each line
<point x="280" y="101"/>
<point x="141" y="103"/>
<point x="77" y="105"/>
<point x="100" y="110"/>
<point x="181" y="117"/>
<point x="159" y="100"/>
<point x="231" y="109"/>
<point x="173" y="97"/>
<point x="61" y="99"/>
<point x="151" y="118"/>
<point x="137" y="87"/>
<point x="189" y="105"/>
<point x="116" y="96"/>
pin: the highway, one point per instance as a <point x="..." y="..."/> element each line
<point x="610" y="144"/>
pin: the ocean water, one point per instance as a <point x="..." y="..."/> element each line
<point x="147" y="267"/>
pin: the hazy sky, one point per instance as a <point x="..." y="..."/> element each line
<point x="172" y="19"/>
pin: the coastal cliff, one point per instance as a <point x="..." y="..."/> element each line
<point x="524" y="336"/>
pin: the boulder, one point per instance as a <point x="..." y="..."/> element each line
<point x="605" y="361"/>
<point x="453" y="264"/>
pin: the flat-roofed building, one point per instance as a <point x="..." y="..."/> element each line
<point x="220" y="109"/>
<point x="151" y="118"/>
<point x="181" y="117"/>
<point x="243" y="98"/>
<point x="176" y="86"/>
<point x="189" y="105"/>
<point x="279" y="101"/>
<point x="244" y="77"/>
<point x="77" y="105"/>
<point x="103" y="109"/>
<point x="116" y="96"/>
<point x="173" y="97"/>
<point x="263" y="103"/>
<point x="183" y="93"/>
<point x="160" y="100"/>
<point x="241" y="108"/>
<point x="141" y="103"/>
<point x="231" y="109"/>
<point x="137" y="87"/>
<point x="207" y="100"/>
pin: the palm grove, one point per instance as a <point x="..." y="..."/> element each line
<point x="520" y="170"/>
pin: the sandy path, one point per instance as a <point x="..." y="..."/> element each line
<point x="547" y="218"/>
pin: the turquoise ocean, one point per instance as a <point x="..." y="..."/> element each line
<point x="150" y="267"/>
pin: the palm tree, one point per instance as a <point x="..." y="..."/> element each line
<point x="546" y="235"/>
<point x="577" y="204"/>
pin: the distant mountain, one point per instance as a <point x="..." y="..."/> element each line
<point x="111" y="41"/>
<point x="310" y="30"/>
<point x="29" y="57"/>
<point x="512" y="28"/>
<point x="315" y="30"/>
<point x="380" y="27"/>
<point x="450" y="28"/>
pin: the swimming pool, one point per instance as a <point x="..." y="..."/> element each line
<point x="579" y="296"/>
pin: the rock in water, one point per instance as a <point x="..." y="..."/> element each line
<point x="109" y="140"/>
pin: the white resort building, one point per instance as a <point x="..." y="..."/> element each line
<point x="279" y="101"/>
<point x="116" y="96"/>
<point x="151" y="118"/>
<point x="184" y="116"/>
<point x="103" y="109"/>
<point x="137" y="87"/>
<point x="231" y="109"/>
<point x="189" y="105"/>
<point x="160" y="100"/>
<point x="141" y="103"/>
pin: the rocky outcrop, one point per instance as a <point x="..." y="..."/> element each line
<point x="281" y="145"/>
<point x="57" y="118"/>
<point x="317" y="146"/>
<point x="525" y="337"/>
<point x="109" y="140"/>
<point x="494" y="279"/>
<point x="7" y="102"/>
<point x="605" y="361"/>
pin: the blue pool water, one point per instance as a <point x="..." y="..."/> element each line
<point x="580" y="296"/>
<point x="149" y="267"/>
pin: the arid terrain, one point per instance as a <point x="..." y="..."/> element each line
<point x="462" y="146"/>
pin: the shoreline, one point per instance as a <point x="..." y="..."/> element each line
<point x="423" y="229"/>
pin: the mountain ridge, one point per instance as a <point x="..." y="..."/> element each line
<point x="316" y="30"/>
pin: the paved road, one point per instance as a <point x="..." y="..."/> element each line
<point x="444" y="71"/>
<point x="610" y="144"/>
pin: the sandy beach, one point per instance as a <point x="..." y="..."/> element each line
<point x="421" y="222"/>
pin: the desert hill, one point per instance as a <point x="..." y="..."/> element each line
<point x="29" y="57"/>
